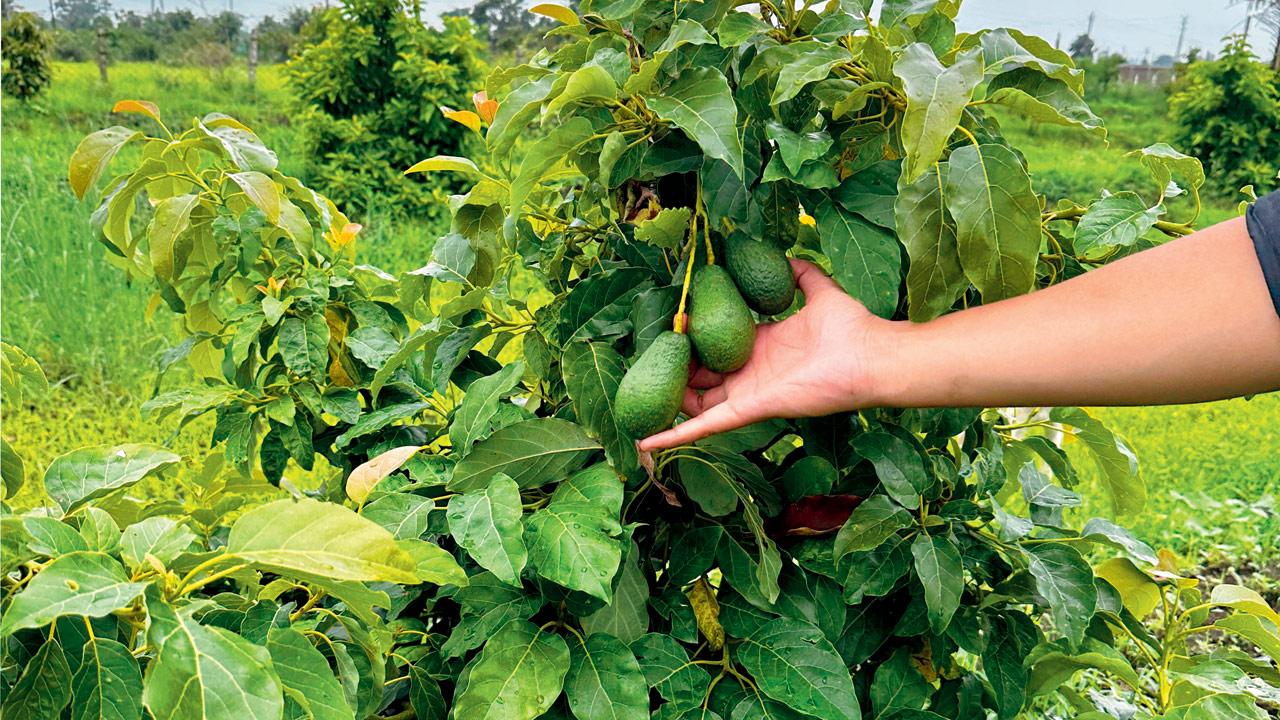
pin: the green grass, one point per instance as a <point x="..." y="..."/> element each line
<point x="1209" y="468"/>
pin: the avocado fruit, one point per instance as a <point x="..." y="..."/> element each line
<point x="761" y="272"/>
<point x="651" y="392"/>
<point x="720" y="323"/>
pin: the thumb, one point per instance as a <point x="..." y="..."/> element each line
<point x="812" y="280"/>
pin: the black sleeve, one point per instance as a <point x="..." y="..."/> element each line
<point x="1263" y="220"/>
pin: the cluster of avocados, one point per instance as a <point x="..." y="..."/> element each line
<point x="755" y="276"/>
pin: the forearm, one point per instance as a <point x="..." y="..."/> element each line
<point x="1189" y="321"/>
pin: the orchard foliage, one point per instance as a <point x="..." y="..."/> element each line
<point x="1228" y="115"/>
<point x="482" y="541"/>
<point x="26" y="50"/>
<point x="369" y="91"/>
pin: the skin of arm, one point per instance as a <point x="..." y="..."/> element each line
<point x="1188" y="321"/>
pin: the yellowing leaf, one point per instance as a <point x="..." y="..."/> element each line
<point x="261" y="191"/>
<point x="807" y="219"/>
<point x="362" y="480"/>
<point x="559" y="13"/>
<point x="1139" y="593"/>
<point x="462" y="117"/>
<point x="706" y="610"/>
<point x="141" y="107"/>
<point x="444" y="162"/>
<point x="487" y="108"/>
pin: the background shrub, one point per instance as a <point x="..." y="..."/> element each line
<point x="370" y="91"/>
<point x="26" y="57"/>
<point x="1228" y="114"/>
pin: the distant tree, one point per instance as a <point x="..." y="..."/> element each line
<point x="80" y="14"/>
<point x="279" y="40"/>
<point x="1228" y="115"/>
<point x="26" y="56"/>
<point x="227" y="27"/>
<point x="1100" y="73"/>
<point x="1081" y="48"/>
<point x="507" y="24"/>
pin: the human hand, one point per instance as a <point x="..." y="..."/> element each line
<point x="813" y="363"/>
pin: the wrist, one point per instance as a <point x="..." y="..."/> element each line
<point x="902" y="369"/>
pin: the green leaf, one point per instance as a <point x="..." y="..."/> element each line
<point x="77" y="583"/>
<point x="667" y="669"/>
<point x="425" y="697"/>
<point x="938" y="565"/>
<point x="542" y="155"/>
<point x="1013" y="634"/>
<point x="626" y="617"/>
<point x="805" y="62"/>
<point x="898" y="465"/>
<point x="899" y="685"/>
<point x="936" y="98"/>
<point x="487" y="604"/>
<point x="576" y="545"/>
<point x="372" y="422"/>
<point x="516" y="111"/>
<point x="44" y="687"/>
<point x="600" y="306"/>
<point x="701" y="104"/>
<point x="666" y="230"/>
<point x="1005" y="49"/>
<point x="1117" y="465"/>
<point x="206" y="672"/>
<point x="597" y="484"/>
<point x="1053" y="664"/>
<point x="517" y="676"/>
<point x="480" y="404"/>
<point x="1163" y="162"/>
<point x="452" y="259"/>
<point x="1256" y="629"/>
<point x="239" y="143"/>
<point x="160" y="537"/>
<point x="1105" y="531"/>
<point x="605" y="681"/>
<point x="997" y="219"/>
<point x="304" y="672"/>
<point x="870" y="524"/>
<point x="1243" y="599"/>
<point x="935" y="279"/>
<point x="796" y="665"/>
<point x="865" y="260"/>
<point x="533" y="453"/>
<point x="1115" y="221"/>
<point x="894" y="12"/>
<point x="88" y="473"/>
<point x="108" y="683"/>
<point x="590" y="84"/>
<point x="402" y="514"/>
<point x="873" y="573"/>
<point x="592" y="372"/>
<point x="1043" y="99"/>
<point x="447" y="163"/>
<point x="94" y="153"/>
<point x="261" y="191"/>
<point x="167" y="250"/>
<point x="796" y="148"/>
<point x="1065" y="580"/>
<point x="707" y="484"/>
<point x="304" y="344"/>
<point x="432" y="563"/>
<point x="487" y="523"/>
<point x="320" y="538"/>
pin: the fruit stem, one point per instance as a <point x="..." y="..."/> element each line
<point x="699" y="210"/>
<point x="690" y="250"/>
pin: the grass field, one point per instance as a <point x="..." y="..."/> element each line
<point x="1212" y="470"/>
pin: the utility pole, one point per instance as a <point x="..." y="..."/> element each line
<point x="1089" y="32"/>
<point x="1248" y="18"/>
<point x="102" y="54"/>
<point x="1057" y="41"/>
<point x="1182" y="34"/>
<point x="53" y="18"/>
<point x="253" y="58"/>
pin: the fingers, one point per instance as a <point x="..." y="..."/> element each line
<point x="696" y="403"/>
<point x="703" y="379"/>
<point x="718" y="419"/>
<point x="811" y="279"/>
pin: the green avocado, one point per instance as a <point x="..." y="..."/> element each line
<point x="761" y="272"/>
<point x="650" y="394"/>
<point x="720" y="324"/>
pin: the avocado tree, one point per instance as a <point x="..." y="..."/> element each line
<point x="26" y="56"/>
<point x="478" y="535"/>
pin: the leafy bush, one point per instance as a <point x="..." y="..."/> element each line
<point x="907" y="564"/>
<point x="26" y="56"/>
<point x="370" y="92"/>
<point x="1228" y="115"/>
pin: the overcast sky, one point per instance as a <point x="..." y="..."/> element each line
<point x="1132" y="27"/>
